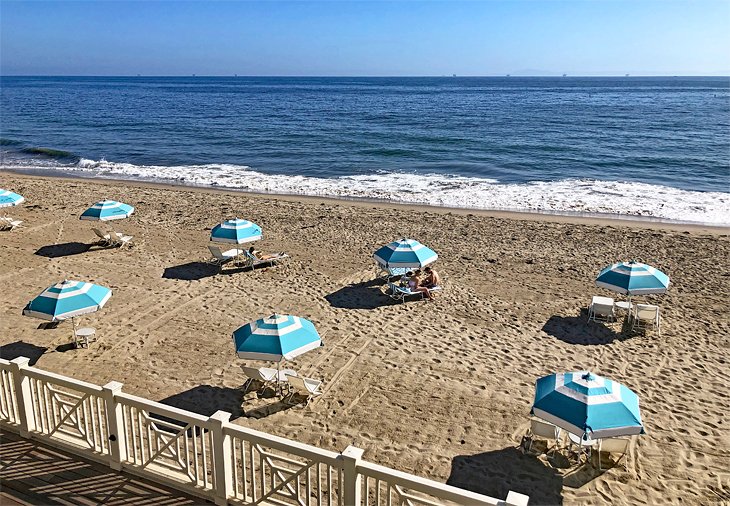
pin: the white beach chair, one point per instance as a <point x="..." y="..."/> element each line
<point x="121" y="240"/>
<point x="401" y="293"/>
<point x="9" y="224"/>
<point x="545" y="430"/>
<point x="265" y="375"/>
<point x="222" y="257"/>
<point x="253" y="261"/>
<point x="614" y="445"/>
<point x="646" y="316"/>
<point x="305" y="386"/>
<point x="104" y="239"/>
<point x="601" y="307"/>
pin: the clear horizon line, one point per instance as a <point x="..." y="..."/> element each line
<point x="518" y="74"/>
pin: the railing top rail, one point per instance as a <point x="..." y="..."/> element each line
<point x="162" y="409"/>
<point x="283" y="444"/>
<point x="424" y="485"/>
<point x="64" y="381"/>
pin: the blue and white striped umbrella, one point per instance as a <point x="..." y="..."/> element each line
<point x="107" y="210"/>
<point x="633" y="278"/>
<point x="235" y="231"/>
<point x="276" y="338"/>
<point x="407" y="253"/>
<point x="8" y="198"/>
<point x="67" y="299"/>
<point x="587" y="405"/>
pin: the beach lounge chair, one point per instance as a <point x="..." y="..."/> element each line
<point x="614" y="445"/>
<point x="305" y="386"/>
<point x="645" y="316"/>
<point x="401" y="293"/>
<point x="9" y="224"/>
<point x="222" y="257"/>
<point x="264" y="375"/>
<point x="121" y="240"/>
<point x="104" y="239"/>
<point x="601" y="307"/>
<point x="545" y="430"/>
<point x="252" y="261"/>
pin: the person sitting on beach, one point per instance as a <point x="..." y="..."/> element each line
<point x="415" y="284"/>
<point x="260" y="256"/>
<point x="432" y="278"/>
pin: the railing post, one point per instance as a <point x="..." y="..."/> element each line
<point x="115" y="425"/>
<point x="23" y="395"/>
<point x="516" y="499"/>
<point x="353" y="484"/>
<point x="222" y="468"/>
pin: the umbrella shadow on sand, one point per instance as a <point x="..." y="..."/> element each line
<point x="498" y="472"/>
<point x="22" y="349"/>
<point x="578" y="330"/>
<point x="207" y="399"/>
<point x="63" y="250"/>
<point x="191" y="271"/>
<point x="363" y="295"/>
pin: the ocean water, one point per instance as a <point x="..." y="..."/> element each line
<point x="653" y="147"/>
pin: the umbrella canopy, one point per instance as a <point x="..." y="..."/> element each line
<point x="407" y="253"/>
<point x="107" y="210"/>
<point x="8" y="198"/>
<point x="67" y="299"/>
<point x="235" y="231"/>
<point x="633" y="278"/>
<point x="587" y="405"/>
<point x="276" y="337"/>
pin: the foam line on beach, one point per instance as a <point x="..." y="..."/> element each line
<point x="564" y="196"/>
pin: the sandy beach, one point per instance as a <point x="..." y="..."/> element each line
<point x="440" y="389"/>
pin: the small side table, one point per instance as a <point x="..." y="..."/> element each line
<point x="624" y="305"/>
<point x="84" y="336"/>
<point x="582" y="444"/>
<point x="281" y="380"/>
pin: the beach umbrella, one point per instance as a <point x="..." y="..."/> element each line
<point x="406" y="253"/>
<point x="67" y="299"/>
<point x="9" y="199"/>
<point x="276" y="338"/>
<point x="633" y="278"/>
<point x="235" y="231"/>
<point x="587" y="405"/>
<point x="107" y="210"/>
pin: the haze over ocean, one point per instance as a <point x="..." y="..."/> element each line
<point x="628" y="145"/>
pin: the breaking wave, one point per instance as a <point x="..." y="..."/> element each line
<point x="564" y="196"/>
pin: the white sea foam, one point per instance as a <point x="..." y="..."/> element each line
<point x="566" y="196"/>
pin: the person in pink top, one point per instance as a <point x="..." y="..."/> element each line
<point x="415" y="284"/>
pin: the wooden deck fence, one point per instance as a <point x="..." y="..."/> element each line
<point x="204" y="456"/>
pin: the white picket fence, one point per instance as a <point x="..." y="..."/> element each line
<point x="208" y="457"/>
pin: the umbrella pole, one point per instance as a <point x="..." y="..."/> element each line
<point x="278" y="377"/>
<point x="631" y="309"/>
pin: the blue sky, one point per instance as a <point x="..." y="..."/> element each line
<point x="491" y="37"/>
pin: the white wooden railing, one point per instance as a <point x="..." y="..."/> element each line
<point x="204" y="456"/>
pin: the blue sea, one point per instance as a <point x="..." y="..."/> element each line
<point x="656" y="147"/>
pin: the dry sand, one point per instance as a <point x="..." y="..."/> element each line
<point x="439" y="389"/>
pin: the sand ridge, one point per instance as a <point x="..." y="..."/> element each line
<point x="440" y="389"/>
